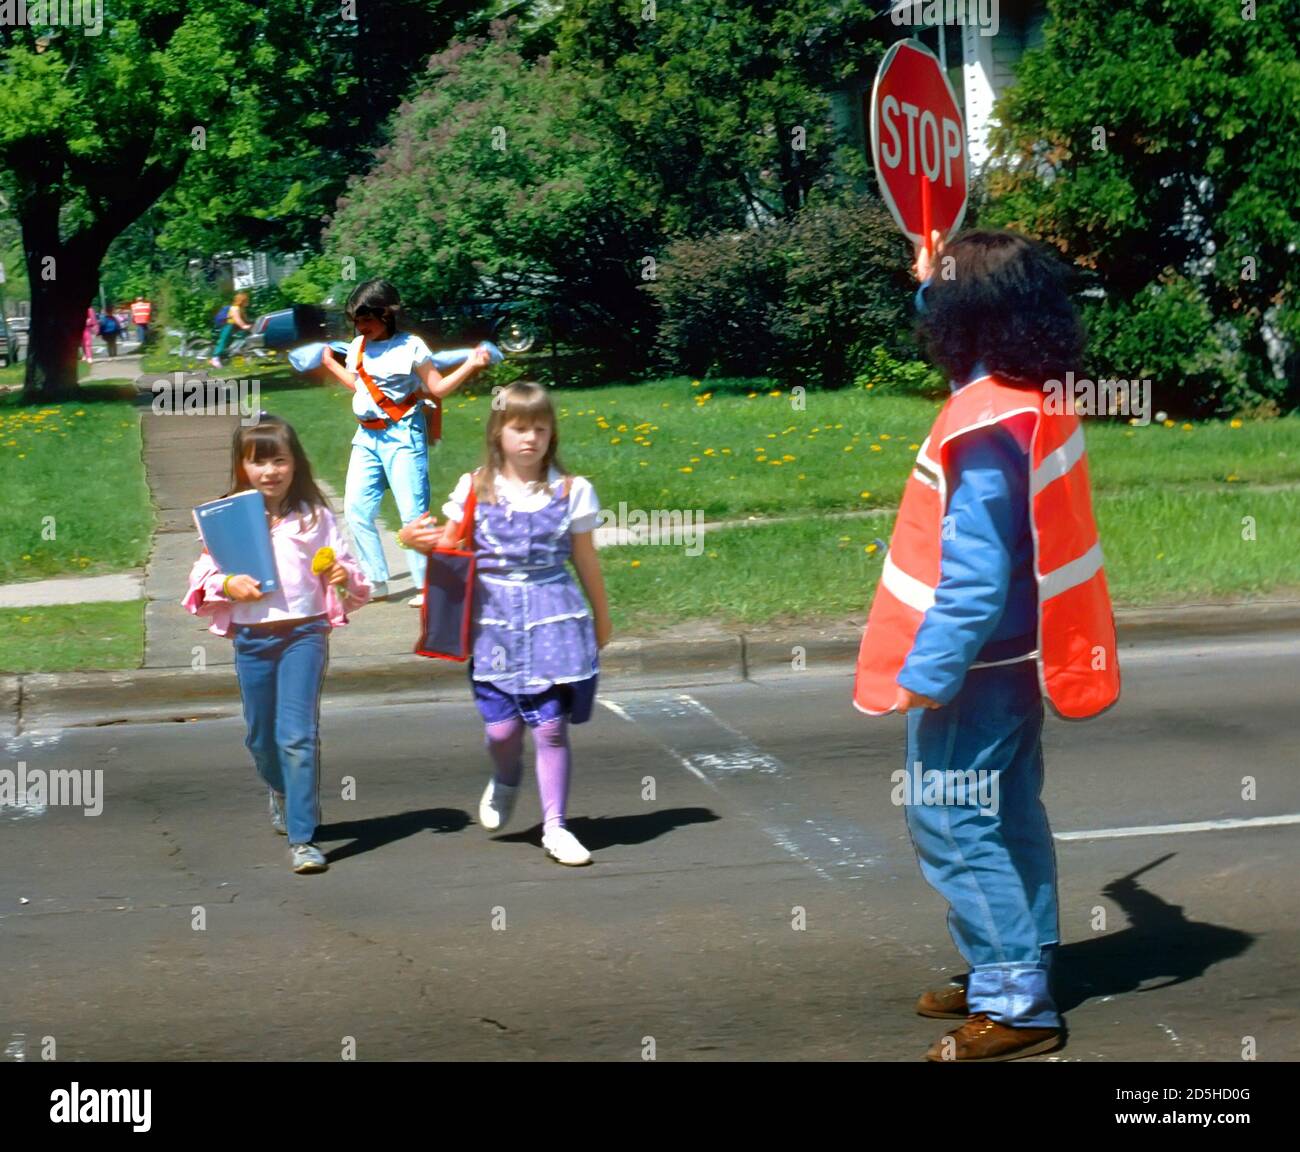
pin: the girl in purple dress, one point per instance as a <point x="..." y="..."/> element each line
<point x="535" y="657"/>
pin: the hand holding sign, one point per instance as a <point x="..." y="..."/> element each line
<point x="918" y="143"/>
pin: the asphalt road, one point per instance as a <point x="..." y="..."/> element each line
<point x="765" y="903"/>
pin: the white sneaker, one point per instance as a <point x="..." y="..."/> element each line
<point x="379" y="590"/>
<point x="497" y="804"/>
<point x="562" y="845"/>
<point x="307" y="858"/>
<point x="417" y="601"/>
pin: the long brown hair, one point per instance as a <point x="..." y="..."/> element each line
<point x="268" y="438"/>
<point x="522" y="402"/>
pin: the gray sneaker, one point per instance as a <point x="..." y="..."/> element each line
<point x="277" y="812"/>
<point x="307" y="858"/>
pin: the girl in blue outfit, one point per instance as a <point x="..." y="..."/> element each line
<point x="535" y="641"/>
<point x="390" y="374"/>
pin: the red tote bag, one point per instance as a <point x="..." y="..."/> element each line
<point x="446" y="616"/>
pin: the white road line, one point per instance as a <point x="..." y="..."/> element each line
<point x="1170" y="829"/>
<point x="713" y="751"/>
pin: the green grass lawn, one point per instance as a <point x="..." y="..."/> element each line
<point x="1169" y="498"/>
<point x="75" y="497"/>
<point x="72" y="637"/>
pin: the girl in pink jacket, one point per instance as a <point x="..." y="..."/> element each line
<point x="282" y="638"/>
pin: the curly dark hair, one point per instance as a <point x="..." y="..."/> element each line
<point x="1004" y="303"/>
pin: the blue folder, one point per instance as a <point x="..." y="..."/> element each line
<point x="235" y="532"/>
<point x="307" y="357"/>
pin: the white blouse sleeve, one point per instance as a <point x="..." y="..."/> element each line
<point x="584" y="507"/>
<point x="454" y="509"/>
<point x="351" y="362"/>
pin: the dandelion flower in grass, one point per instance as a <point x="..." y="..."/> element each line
<point x="1160" y="555"/>
<point x="695" y="459"/>
<point x="1232" y="477"/>
<point x="622" y="428"/>
<point x="876" y="448"/>
<point x="1168" y="423"/>
<point x="1187" y="427"/>
<point x="849" y="447"/>
<point x="688" y="468"/>
<point x="1235" y="424"/>
<point x="616" y="440"/>
<point x="787" y="456"/>
<point x="750" y="395"/>
<point x="771" y="435"/>
<point x="869" y="548"/>
<point x="915" y="447"/>
<point x="801" y="476"/>
<point x="26" y="556"/>
<point x="775" y="392"/>
<point x="635" y="564"/>
<point x="864" y="495"/>
<point x="643" y="464"/>
<point x="726" y="451"/>
<point x="708" y="451"/>
<point x="695" y="383"/>
<point x="845" y="539"/>
<point x="885" y="436"/>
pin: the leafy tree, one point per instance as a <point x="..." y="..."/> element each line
<point x="1157" y="148"/>
<point x="263" y="107"/>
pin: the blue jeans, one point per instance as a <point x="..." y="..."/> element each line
<point x="396" y="458"/>
<point x="989" y="851"/>
<point x="280" y="677"/>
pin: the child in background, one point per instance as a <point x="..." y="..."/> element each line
<point x="390" y="374"/>
<point x="992" y="597"/>
<point x="535" y="657"/>
<point x="282" y="639"/>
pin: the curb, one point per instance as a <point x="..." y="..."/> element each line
<point x="45" y="701"/>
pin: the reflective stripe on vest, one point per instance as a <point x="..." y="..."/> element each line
<point x="1077" y="663"/>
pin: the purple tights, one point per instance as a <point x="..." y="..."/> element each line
<point x="505" y="741"/>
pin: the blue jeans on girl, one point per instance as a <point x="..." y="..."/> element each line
<point x="993" y="862"/>
<point x="397" y="458"/>
<point x="280" y="677"/>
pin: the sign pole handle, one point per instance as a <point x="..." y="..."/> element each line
<point x="926" y="227"/>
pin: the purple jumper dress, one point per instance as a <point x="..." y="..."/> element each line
<point x="534" y="641"/>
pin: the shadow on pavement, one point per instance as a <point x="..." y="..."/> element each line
<point x="367" y="835"/>
<point x="1160" y="943"/>
<point x="605" y="831"/>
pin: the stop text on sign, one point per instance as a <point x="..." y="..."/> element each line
<point x="935" y="141"/>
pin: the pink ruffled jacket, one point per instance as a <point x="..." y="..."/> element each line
<point x="294" y="544"/>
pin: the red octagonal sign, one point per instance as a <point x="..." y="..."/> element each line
<point x="918" y="142"/>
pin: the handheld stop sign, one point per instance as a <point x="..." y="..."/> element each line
<point x="918" y="143"/>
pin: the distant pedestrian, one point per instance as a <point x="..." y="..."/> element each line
<point x="89" y="330"/>
<point x="227" y="320"/>
<point x="141" y="314"/>
<point x="108" y="329"/>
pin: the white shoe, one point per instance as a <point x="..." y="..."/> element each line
<point x="562" y="845"/>
<point x="379" y="590"/>
<point x="277" y="813"/>
<point x="417" y="601"/>
<point x="497" y="804"/>
<point x="307" y="858"/>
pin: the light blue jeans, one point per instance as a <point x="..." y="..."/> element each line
<point x="398" y="458"/>
<point x="993" y="862"/>
<point x="280" y="677"/>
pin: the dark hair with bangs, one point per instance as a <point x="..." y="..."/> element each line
<point x="1006" y="305"/>
<point x="377" y="294"/>
<point x="270" y="437"/>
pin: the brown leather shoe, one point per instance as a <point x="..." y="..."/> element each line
<point x="946" y="1003"/>
<point x="980" y="1038"/>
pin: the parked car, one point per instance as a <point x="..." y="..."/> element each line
<point x="300" y="324"/>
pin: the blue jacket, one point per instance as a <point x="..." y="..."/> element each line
<point x="986" y="601"/>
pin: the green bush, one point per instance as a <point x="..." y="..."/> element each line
<point x="881" y="373"/>
<point x="803" y="301"/>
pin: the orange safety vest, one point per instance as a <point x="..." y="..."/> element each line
<point x="141" y="310"/>
<point x="1078" y="667"/>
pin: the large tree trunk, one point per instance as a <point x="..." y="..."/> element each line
<point x="58" y="318"/>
